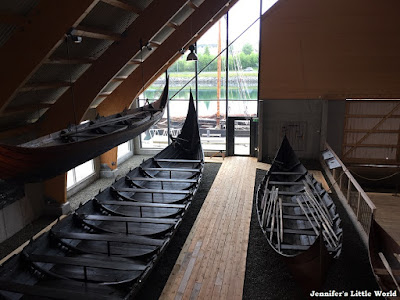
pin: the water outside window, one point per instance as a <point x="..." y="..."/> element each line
<point x="242" y="75"/>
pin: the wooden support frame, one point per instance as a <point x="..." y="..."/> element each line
<point x="66" y="61"/>
<point x="62" y="16"/>
<point x="44" y="86"/>
<point x="124" y="5"/>
<point x="96" y="33"/>
<point x="359" y="142"/>
<point x="89" y="85"/>
<point x="25" y="108"/>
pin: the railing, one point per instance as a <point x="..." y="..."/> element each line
<point x="355" y="200"/>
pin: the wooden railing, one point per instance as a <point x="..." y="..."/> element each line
<point x="355" y="200"/>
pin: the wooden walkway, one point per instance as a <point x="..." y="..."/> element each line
<point x="212" y="262"/>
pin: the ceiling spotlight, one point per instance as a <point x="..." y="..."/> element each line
<point x="148" y="47"/>
<point x="192" y="55"/>
<point x="75" y="38"/>
<point x="182" y="51"/>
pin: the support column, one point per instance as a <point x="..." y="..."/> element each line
<point x="108" y="163"/>
<point x="55" y="196"/>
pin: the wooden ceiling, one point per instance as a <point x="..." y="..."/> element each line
<point x="48" y="81"/>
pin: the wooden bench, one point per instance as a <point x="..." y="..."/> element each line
<point x="128" y="219"/>
<point x="172" y="169"/>
<point x="176" y="160"/>
<point x="95" y="262"/>
<point x="140" y="204"/>
<point x="108" y="238"/>
<point x="50" y="292"/>
<point x="161" y="179"/>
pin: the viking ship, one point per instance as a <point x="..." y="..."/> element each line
<point x="298" y="218"/>
<point x="384" y="256"/>
<point x="58" y="152"/>
<point x="107" y="248"/>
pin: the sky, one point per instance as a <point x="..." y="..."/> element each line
<point x="241" y="15"/>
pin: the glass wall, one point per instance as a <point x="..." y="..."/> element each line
<point x="213" y="107"/>
<point x="243" y="59"/>
<point x="212" y="87"/>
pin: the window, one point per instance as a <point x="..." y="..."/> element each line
<point x="80" y="173"/>
<point x="124" y="149"/>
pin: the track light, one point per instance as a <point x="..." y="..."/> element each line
<point x="75" y="38"/>
<point x="148" y="47"/>
<point x="192" y="55"/>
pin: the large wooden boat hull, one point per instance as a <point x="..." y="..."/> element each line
<point x="108" y="246"/>
<point x="293" y="211"/>
<point x="384" y="256"/>
<point x="61" y="151"/>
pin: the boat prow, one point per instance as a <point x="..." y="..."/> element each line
<point x="384" y="256"/>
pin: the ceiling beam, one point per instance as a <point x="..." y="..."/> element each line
<point x="42" y="33"/>
<point x="28" y="108"/>
<point x="164" y="55"/>
<point x="12" y="19"/>
<point x="66" y="61"/>
<point x="104" y="69"/>
<point x="124" y="5"/>
<point x="95" y="33"/>
<point x="44" y="86"/>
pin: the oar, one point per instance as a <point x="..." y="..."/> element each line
<point x="308" y="218"/>
<point x="389" y="269"/>
<point x="277" y="227"/>
<point x="271" y="200"/>
<point x="323" y="204"/>
<point x="316" y="231"/>
<point x="264" y="207"/>
<point x="323" y="221"/>
<point x="310" y="195"/>
<point x="273" y="219"/>
<point x="317" y="205"/>
<point x="281" y="213"/>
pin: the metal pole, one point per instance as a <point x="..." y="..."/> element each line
<point x="168" y="121"/>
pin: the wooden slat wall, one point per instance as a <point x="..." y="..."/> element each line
<point x="372" y="132"/>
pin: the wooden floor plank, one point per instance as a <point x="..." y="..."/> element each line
<point x="212" y="262"/>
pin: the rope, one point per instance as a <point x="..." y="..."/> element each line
<point x="375" y="179"/>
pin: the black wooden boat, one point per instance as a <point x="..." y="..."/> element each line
<point x="293" y="210"/>
<point x="109" y="245"/>
<point x="61" y="151"/>
<point x="384" y="256"/>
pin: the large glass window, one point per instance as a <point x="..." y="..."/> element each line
<point x="212" y="105"/>
<point x="80" y="173"/>
<point x="243" y="59"/>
